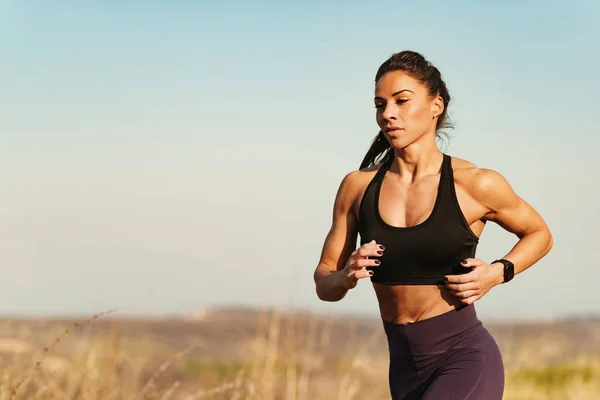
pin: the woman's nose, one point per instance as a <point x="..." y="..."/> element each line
<point x="389" y="113"/>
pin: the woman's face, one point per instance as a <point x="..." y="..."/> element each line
<point x="405" y="111"/>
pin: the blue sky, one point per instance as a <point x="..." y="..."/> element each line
<point x="165" y="157"/>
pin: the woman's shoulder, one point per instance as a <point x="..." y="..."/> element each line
<point x="460" y="164"/>
<point x="481" y="183"/>
<point x="359" y="178"/>
<point x="354" y="184"/>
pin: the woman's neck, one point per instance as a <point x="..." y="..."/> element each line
<point x="416" y="161"/>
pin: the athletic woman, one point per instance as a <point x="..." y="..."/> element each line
<point x="419" y="213"/>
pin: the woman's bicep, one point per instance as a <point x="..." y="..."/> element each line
<point x="505" y="207"/>
<point x="340" y="241"/>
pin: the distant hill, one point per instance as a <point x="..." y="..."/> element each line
<point x="229" y="332"/>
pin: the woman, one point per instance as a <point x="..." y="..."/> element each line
<point x="419" y="214"/>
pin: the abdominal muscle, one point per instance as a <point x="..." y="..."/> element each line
<point x="403" y="304"/>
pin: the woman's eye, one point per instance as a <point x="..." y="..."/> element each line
<point x="382" y="105"/>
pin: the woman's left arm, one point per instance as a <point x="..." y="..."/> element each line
<point x="504" y="207"/>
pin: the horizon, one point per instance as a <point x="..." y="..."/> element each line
<point x="192" y="315"/>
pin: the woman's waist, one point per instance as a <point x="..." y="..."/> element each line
<point x="408" y="304"/>
<point x="436" y="335"/>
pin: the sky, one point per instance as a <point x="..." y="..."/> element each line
<point x="166" y="157"/>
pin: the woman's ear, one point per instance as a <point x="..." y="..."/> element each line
<point x="437" y="107"/>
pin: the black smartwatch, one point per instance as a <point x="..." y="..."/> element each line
<point x="509" y="269"/>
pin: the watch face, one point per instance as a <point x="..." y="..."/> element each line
<point x="509" y="271"/>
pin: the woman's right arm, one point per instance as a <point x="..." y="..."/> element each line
<point x="341" y="266"/>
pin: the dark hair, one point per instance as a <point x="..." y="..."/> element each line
<point x="419" y="68"/>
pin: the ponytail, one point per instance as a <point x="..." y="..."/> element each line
<point x="380" y="149"/>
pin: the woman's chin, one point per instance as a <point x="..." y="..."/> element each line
<point x="399" y="144"/>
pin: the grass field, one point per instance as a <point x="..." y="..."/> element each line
<point x="248" y="354"/>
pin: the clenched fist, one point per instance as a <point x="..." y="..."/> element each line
<point x="358" y="261"/>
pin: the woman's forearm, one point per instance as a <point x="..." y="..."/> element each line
<point x="530" y="249"/>
<point x="329" y="286"/>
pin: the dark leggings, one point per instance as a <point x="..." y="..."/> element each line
<point x="450" y="356"/>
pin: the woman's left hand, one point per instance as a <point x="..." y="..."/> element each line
<point x="474" y="285"/>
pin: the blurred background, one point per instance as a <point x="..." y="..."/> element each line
<point x="175" y="165"/>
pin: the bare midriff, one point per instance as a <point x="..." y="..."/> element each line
<point x="404" y="304"/>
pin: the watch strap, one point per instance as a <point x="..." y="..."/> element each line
<point x="509" y="269"/>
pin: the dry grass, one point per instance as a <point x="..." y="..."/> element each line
<point x="282" y="357"/>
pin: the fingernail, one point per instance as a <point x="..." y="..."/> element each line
<point x="380" y="253"/>
<point x="377" y="262"/>
<point x="382" y="247"/>
<point x="370" y="273"/>
<point x="446" y="278"/>
<point x="463" y="262"/>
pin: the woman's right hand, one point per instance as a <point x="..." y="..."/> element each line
<point x="357" y="263"/>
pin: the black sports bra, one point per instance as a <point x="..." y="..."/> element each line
<point x="424" y="253"/>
